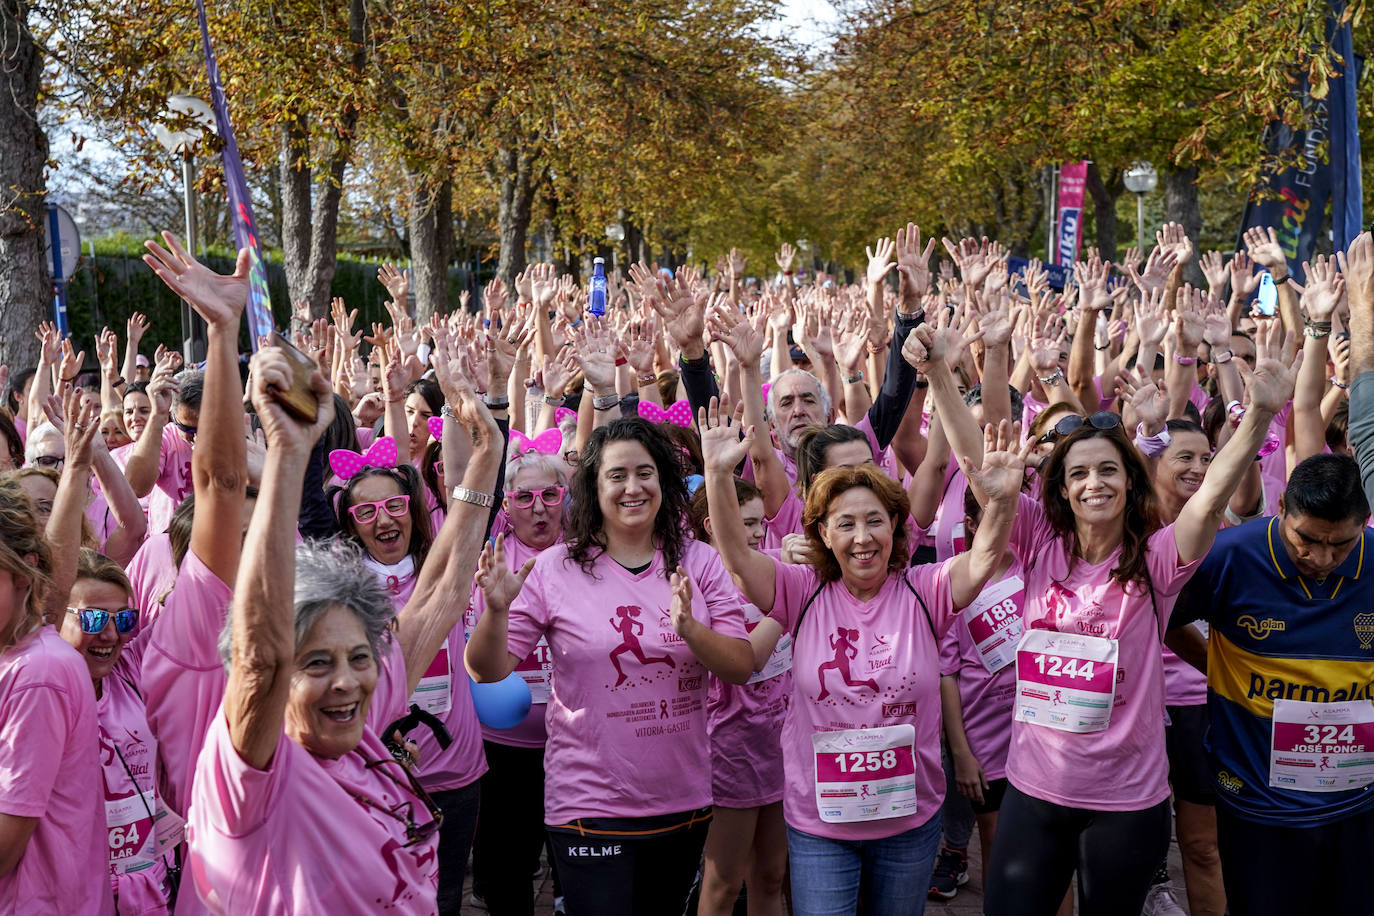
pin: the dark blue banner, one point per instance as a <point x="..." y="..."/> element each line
<point x="1293" y="201"/>
<point x="240" y="204"/>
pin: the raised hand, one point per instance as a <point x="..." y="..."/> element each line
<point x="135" y="328"/>
<point x="852" y="340"/>
<point x="397" y="283"/>
<point x="272" y="374"/>
<point x="1146" y="397"/>
<point x="738" y="334"/>
<point x="942" y="343"/>
<point x="216" y="298"/>
<point x="724" y="439"/>
<point x="72" y="361"/>
<point x="736" y="261"/>
<point x="1269" y="386"/>
<point x="1214" y="269"/>
<point x="641" y="345"/>
<point x="1173" y="239"/>
<point x="1244" y="280"/>
<point x="1149" y="318"/>
<point x="913" y="261"/>
<point x="498" y="583"/>
<point x="785" y="257"/>
<point x="1189" y="321"/>
<point x="1325" y="288"/>
<point x="1047" y="342"/>
<point x="1158" y="267"/>
<point x="1264" y="249"/>
<point x="595" y="353"/>
<point x="106" y="352"/>
<point x="680" y="611"/>
<point x="879" y="261"/>
<point x="1004" y="461"/>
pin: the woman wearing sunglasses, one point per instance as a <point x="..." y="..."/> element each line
<point x="1087" y="767"/>
<point x="53" y="849"/>
<point x="506" y="850"/>
<point x="297" y="802"/>
<point x="99" y="624"/>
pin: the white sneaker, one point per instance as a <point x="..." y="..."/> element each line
<point x="1162" y="902"/>
<point x="558" y="906"/>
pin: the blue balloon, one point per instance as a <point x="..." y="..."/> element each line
<point x="503" y="704"/>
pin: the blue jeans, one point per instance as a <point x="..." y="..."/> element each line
<point x="887" y="877"/>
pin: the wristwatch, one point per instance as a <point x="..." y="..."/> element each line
<point x="476" y="497"/>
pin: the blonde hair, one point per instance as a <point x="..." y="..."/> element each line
<point x="23" y="552"/>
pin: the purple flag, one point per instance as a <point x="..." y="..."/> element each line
<point x="240" y="205"/>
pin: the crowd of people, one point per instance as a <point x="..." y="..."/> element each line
<point x="752" y="593"/>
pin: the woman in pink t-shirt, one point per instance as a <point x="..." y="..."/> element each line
<point x="1087" y="764"/>
<point x="53" y="852"/>
<point x="861" y="739"/>
<point x="143" y="834"/>
<point x="506" y="850"/>
<point x="747" y="842"/>
<point x="635" y="613"/>
<point x="296" y="801"/>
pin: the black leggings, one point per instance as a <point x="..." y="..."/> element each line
<point x="460" y="808"/>
<point x="1038" y="845"/>
<point x="1271" y="870"/>
<point x="629" y="866"/>
<point x="506" y="851"/>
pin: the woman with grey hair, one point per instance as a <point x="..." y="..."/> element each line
<point x="296" y="801"/>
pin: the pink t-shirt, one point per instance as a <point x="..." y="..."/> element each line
<point x="533" y="668"/>
<point x="183" y="674"/>
<point x="50" y="770"/>
<point x="296" y="838"/>
<point x="462" y="761"/>
<point x="1184" y="685"/>
<point x="139" y="832"/>
<point x="985" y="699"/>
<point x="627" y="708"/>
<point x="858" y="665"/>
<point x="1123" y="767"/>
<point x="152" y="573"/>
<point x="156" y="502"/>
<point x="173" y="478"/>
<point x="745" y="725"/>
<point x="787" y="520"/>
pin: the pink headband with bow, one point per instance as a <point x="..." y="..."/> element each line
<point x="680" y="414"/>
<point x="345" y="462"/>
<point x="546" y="443"/>
<point x="436" y="428"/>
<point x="564" y="413"/>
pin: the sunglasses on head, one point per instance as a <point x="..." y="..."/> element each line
<point x="549" y="496"/>
<point x="395" y="506"/>
<point x="1103" y="419"/>
<point x="93" y="619"/>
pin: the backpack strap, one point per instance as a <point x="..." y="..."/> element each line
<point x="930" y="622"/>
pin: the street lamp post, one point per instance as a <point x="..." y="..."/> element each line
<point x="180" y="142"/>
<point x="616" y="233"/>
<point x="1140" y="179"/>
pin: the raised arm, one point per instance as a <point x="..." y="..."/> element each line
<point x="1004" y="463"/>
<point x="932" y="351"/>
<point x="745" y="341"/>
<point x="263" y="651"/>
<point x="1268" y="387"/>
<point x="219" y="463"/>
<point x="486" y="656"/>
<point x="722" y="449"/>
<point x="1324" y="291"/>
<point x="80" y="425"/>
<point x="441" y="593"/>
<point x="134" y="329"/>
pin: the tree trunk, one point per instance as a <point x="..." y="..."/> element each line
<point x="515" y="188"/>
<point x="25" y="292"/>
<point x="1180" y="206"/>
<point x="296" y="179"/>
<point x="430" y="208"/>
<point x="1104" y="193"/>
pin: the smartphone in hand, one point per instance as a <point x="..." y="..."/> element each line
<point x="299" y="400"/>
<point x="1268" y="296"/>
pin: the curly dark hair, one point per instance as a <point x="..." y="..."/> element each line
<point x="583" y="533"/>
<point x="1142" y="517"/>
<point x="408" y="479"/>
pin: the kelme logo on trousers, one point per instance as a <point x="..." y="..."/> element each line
<point x="1259" y="629"/>
<point x="1364" y="629"/>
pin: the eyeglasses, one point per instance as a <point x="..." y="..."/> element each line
<point x="395" y="506"/>
<point x="51" y="462"/>
<point x="188" y="431"/>
<point x="415" y="833"/>
<point x="549" y="496"/>
<point x="1103" y="419"/>
<point x="93" y="619"/>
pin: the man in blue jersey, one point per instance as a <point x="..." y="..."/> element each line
<point x="1290" y="664"/>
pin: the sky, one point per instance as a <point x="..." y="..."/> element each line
<point x="807" y="22"/>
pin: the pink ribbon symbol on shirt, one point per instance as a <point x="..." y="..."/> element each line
<point x="345" y="462"/>
<point x="546" y="443"/>
<point x="680" y="414"/>
<point x="436" y="428"/>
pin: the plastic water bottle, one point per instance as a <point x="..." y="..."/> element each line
<point x="596" y="299"/>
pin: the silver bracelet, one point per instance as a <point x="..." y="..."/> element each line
<point x="447" y="411"/>
<point x="476" y="497"/>
<point x="851" y="379"/>
<point x="1058" y="374"/>
<point x="555" y="401"/>
<point x="501" y="403"/>
<point x="605" y="402"/>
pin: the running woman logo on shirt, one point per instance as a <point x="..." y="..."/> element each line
<point x="626" y="622"/>
<point x="844" y="642"/>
